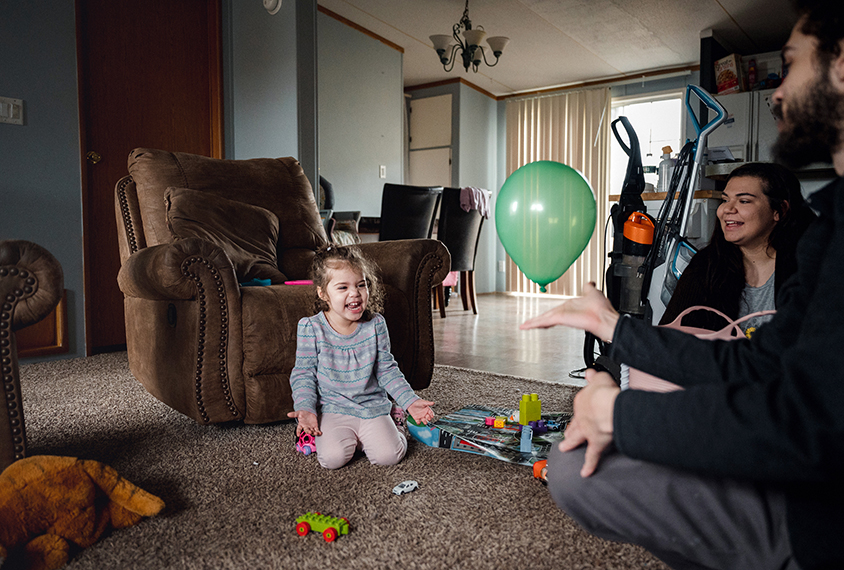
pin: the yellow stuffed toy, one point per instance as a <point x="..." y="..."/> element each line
<point x="47" y="502"/>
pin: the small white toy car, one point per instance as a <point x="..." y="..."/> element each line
<point x="405" y="487"/>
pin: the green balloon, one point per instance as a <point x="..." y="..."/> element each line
<point x="545" y="216"/>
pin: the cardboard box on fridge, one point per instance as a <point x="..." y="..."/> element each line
<point x="728" y="74"/>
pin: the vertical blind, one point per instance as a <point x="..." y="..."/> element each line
<point x="574" y="129"/>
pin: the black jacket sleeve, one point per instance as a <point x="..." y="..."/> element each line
<point x="768" y="409"/>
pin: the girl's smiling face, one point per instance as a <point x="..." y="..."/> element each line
<point x="346" y="295"/>
<point x="745" y="213"/>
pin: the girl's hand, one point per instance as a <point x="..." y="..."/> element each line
<point x="307" y="422"/>
<point x="592" y="312"/>
<point x="421" y="411"/>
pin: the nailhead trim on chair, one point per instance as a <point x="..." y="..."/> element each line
<point x="13" y="405"/>
<point x="224" y="323"/>
<point x="127" y="217"/>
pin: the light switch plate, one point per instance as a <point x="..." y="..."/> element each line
<point x="11" y="111"/>
<point x="382" y="171"/>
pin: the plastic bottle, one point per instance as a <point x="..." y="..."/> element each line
<point x="665" y="170"/>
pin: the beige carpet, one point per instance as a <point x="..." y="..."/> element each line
<point x="233" y="492"/>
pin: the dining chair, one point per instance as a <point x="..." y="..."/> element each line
<point x="408" y="212"/>
<point x="459" y="231"/>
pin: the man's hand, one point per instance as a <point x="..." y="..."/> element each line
<point x="592" y="422"/>
<point x="592" y="312"/>
<point x="421" y="411"/>
<point x="307" y="422"/>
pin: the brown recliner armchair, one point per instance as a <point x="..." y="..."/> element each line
<point x="31" y="285"/>
<point x="192" y="231"/>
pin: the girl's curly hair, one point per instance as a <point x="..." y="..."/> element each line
<point x="329" y="257"/>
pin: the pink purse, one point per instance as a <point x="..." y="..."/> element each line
<point x="638" y="380"/>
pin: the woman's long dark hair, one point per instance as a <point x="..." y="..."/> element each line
<point x="725" y="278"/>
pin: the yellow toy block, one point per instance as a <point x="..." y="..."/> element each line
<point x="530" y="409"/>
<point x="499" y="421"/>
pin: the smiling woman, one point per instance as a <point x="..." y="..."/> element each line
<point x="762" y="215"/>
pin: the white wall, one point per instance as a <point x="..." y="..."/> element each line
<point x="361" y="102"/>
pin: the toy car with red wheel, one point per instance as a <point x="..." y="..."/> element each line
<point x="330" y="527"/>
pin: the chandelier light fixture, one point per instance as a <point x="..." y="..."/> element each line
<point x="469" y="46"/>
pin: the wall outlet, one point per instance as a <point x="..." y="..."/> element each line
<point x="382" y="171"/>
<point x="11" y="111"/>
<point x="501" y="268"/>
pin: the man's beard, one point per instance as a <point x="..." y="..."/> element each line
<point x="812" y="132"/>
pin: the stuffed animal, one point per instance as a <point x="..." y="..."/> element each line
<point x="48" y="502"/>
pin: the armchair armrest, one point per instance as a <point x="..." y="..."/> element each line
<point x="184" y="328"/>
<point x="409" y="269"/>
<point x="31" y="282"/>
<point x="31" y="285"/>
<point x="162" y="272"/>
<point x="409" y="262"/>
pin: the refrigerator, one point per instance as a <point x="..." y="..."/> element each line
<point x="750" y="129"/>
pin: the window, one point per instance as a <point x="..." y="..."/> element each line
<point x="657" y="120"/>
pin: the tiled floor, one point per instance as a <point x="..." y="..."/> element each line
<point x="492" y="341"/>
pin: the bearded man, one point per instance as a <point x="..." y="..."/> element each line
<point x="744" y="468"/>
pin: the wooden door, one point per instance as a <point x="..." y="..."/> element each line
<point x="149" y="76"/>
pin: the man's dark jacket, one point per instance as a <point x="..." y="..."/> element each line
<point x="770" y="409"/>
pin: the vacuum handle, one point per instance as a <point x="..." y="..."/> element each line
<point x="711" y="103"/>
<point x="631" y="134"/>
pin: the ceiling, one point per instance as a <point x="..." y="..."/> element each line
<point x="562" y="42"/>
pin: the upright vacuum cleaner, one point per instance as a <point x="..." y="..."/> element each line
<point x="671" y="251"/>
<point x="649" y="255"/>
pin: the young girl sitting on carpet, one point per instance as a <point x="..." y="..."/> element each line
<point x="344" y="369"/>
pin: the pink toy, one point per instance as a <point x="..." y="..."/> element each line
<point x="299" y="282"/>
<point x="398" y="415"/>
<point x="306" y="443"/>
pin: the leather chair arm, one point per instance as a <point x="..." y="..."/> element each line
<point x="409" y="269"/>
<point x="409" y="264"/>
<point x="31" y="282"/>
<point x="168" y="271"/>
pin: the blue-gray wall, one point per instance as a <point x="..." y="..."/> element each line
<point x="477" y="167"/>
<point x="259" y="75"/>
<point x="477" y="160"/>
<point x="40" y="178"/>
<point x="361" y="101"/>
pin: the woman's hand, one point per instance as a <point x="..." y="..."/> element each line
<point x="592" y="312"/>
<point x="307" y="422"/>
<point x="592" y="422"/>
<point x="421" y="411"/>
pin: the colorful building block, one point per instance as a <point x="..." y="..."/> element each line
<point x="526" y="443"/>
<point x="330" y="527"/>
<point x="530" y="409"/>
<point x="500" y="421"/>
